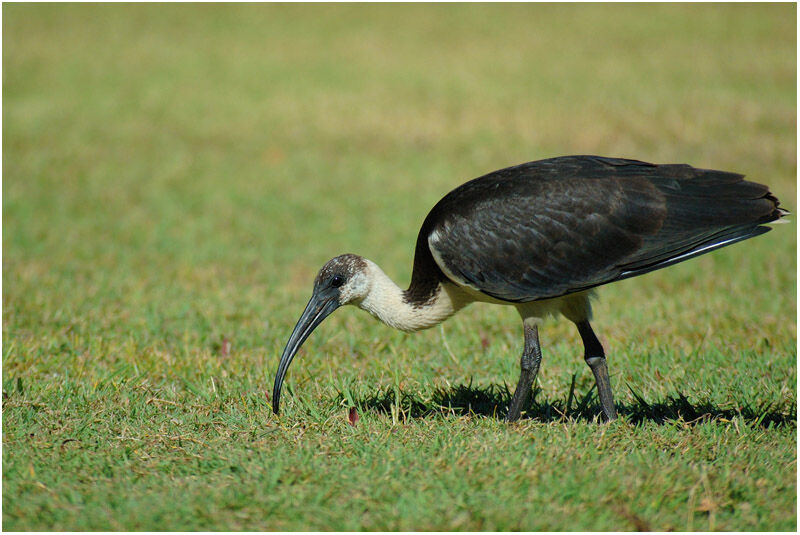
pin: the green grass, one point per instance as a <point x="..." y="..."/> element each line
<point x="174" y="175"/>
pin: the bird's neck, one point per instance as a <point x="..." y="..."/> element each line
<point x="387" y="302"/>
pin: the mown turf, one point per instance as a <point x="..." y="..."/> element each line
<point x="173" y="176"/>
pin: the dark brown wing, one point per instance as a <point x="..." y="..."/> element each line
<point x="553" y="227"/>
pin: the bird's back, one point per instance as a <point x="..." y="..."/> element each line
<point x="553" y="227"/>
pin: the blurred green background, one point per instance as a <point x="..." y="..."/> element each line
<point x="174" y="175"/>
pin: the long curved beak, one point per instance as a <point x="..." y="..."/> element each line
<point x="318" y="308"/>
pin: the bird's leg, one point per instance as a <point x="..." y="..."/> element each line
<point x="529" y="364"/>
<point x="596" y="359"/>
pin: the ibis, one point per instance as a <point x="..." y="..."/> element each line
<point x="541" y="237"/>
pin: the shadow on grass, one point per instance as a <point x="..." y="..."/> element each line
<point x="492" y="401"/>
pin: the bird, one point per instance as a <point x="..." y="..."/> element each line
<point x="541" y="237"/>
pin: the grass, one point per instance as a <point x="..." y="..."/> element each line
<point x="175" y="174"/>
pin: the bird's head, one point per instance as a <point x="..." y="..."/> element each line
<point x="341" y="281"/>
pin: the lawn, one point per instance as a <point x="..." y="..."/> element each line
<point x="174" y="175"/>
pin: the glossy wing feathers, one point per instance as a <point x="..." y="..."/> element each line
<point x="553" y="227"/>
<point x="711" y="210"/>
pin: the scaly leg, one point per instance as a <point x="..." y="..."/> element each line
<point x="529" y="364"/>
<point x="596" y="359"/>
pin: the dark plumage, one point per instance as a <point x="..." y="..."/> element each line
<point x="537" y="236"/>
<point x="552" y="227"/>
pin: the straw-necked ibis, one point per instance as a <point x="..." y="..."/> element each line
<point x="540" y="237"/>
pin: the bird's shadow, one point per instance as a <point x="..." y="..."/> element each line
<point x="492" y="402"/>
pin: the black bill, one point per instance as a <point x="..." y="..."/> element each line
<point x="318" y="308"/>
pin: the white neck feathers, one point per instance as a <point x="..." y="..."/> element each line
<point x="385" y="300"/>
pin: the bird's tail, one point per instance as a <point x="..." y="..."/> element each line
<point x="710" y="210"/>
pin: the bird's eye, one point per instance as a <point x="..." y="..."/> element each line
<point x="337" y="281"/>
